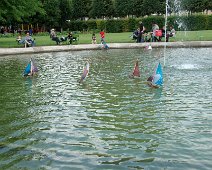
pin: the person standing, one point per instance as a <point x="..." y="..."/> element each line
<point x="140" y="32"/>
<point x="70" y="37"/>
<point x="102" y="34"/>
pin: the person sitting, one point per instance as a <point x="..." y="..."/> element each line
<point x="155" y="27"/>
<point x="18" y="39"/>
<point x="29" y="41"/>
<point x="146" y="36"/>
<point x="163" y="34"/>
<point x="54" y="37"/>
<point x="93" y="38"/>
<point x="135" y="34"/>
<point x="70" y="37"/>
<point x="171" y="33"/>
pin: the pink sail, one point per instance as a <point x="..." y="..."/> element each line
<point x="136" y="71"/>
<point x="85" y="72"/>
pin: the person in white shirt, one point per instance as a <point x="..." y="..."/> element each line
<point x="171" y="33"/>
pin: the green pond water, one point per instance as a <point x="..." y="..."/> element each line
<point x="110" y="121"/>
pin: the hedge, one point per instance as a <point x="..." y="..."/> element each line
<point x="189" y="23"/>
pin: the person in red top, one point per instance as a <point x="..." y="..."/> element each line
<point x="102" y="34"/>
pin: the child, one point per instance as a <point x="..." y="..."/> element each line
<point x="93" y="39"/>
<point x="102" y="34"/>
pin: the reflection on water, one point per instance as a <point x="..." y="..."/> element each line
<point x="109" y="121"/>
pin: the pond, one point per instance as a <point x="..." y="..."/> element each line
<point x="109" y="121"/>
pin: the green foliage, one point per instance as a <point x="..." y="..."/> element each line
<point x="154" y="7"/>
<point x="196" y="5"/>
<point x="137" y="8"/>
<point x="101" y="9"/>
<point x="80" y="8"/>
<point x="78" y="25"/>
<point x="149" y="20"/>
<point x="65" y="11"/>
<point x="123" y="7"/>
<point x="209" y="22"/>
<point x="114" y="25"/>
<point x="92" y="24"/>
<point x="58" y="13"/>
<point x="192" y="22"/>
<point x="101" y="24"/>
<point x="53" y="11"/>
<point x="130" y="24"/>
<point x="16" y="10"/>
<point x="196" y="22"/>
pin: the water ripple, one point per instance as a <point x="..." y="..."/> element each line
<point x="109" y="121"/>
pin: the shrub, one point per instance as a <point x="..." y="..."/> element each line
<point x="190" y="23"/>
<point x="195" y="22"/>
<point x="209" y="22"/>
<point x="114" y="25"/>
<point x="101" y="24"/>
<point x="147" y="21"/>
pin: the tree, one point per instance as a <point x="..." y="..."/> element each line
<point x="208" y="5"/>
<point x="154" y="7"/>
<point x="65" y="11"/>
<point x="52" y="17"/>
<point x="194" y="5"/>
<point x="80" y="8"/>
<point x="18" y="10"/>
<point x="137" y="8"/>
<point x="102" y="8"/>
<point x="123" y="7"/>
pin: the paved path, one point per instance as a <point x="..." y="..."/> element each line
<point x="46" y="49"/>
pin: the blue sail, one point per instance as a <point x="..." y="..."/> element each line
<point x="158" y="76"/>
<point x="27" y="69"/>
<point x="30" y="69"/>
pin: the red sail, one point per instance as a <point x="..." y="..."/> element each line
<point x="136" y="71"/>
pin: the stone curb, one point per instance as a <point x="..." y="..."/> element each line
<point x="47" y="49"/>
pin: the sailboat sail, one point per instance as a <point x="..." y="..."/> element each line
<point x="34" y="68"/>
<point x="85" y="72"/>
<point x="30" y="69"/>
<point x="158" y="75"/>
<point x="136" y="71"/>
<point x="27" y="69"/>
<point x="156" y="79"/>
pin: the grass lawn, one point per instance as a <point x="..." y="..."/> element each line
<point x="205" y="35"/>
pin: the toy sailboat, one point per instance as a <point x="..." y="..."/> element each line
<point x="85" y="73"/>
<point x="156" y="80"/>
<point x="30" y="69"/>
<point x="136" y="71"/>
<point x="148" y="47"/>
